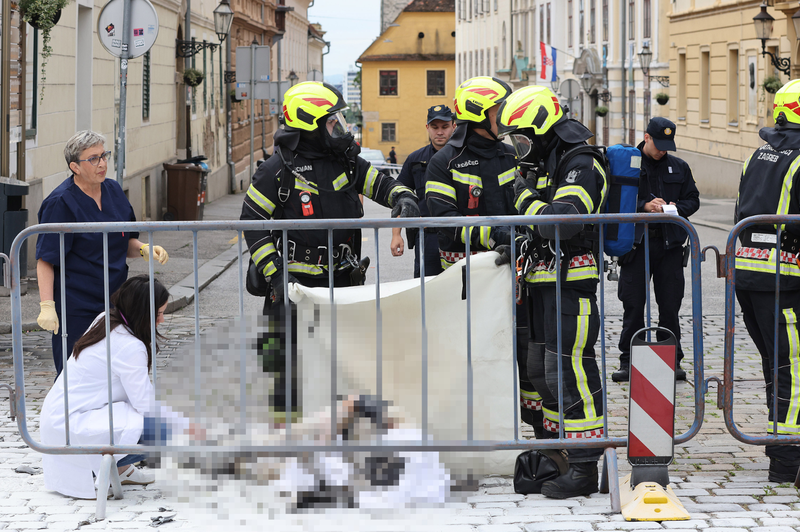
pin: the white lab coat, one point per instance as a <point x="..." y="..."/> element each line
<point x="132" y="397"/>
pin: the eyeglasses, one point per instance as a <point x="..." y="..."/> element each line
<point x="95" y="159"/>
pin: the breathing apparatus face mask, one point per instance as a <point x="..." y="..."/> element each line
<point x="529" y="150"/>
<point x="335" y="135"/>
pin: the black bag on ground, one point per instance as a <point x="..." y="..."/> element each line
<point x="534" y="468"/>
<point x="255" y="283"/>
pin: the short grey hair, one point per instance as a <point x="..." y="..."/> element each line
<point x="79" y="142"/>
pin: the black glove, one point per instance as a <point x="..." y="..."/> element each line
<point x="521" y="184"/>
<point x="504" y="257"/>
<point x="277" y="285"/>
<point x="500" y="236"/>
<point x="405" y="206"/>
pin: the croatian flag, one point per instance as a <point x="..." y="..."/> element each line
<point x="547" y="68"/>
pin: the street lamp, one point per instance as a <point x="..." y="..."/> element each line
<point x="645" y="57"/>
<point x="223" y="16"/>
<point x="587" y="81"/>
<point x="554" y="84"/>
<point x="292" y="77"/>
<point x="763" y="23"/>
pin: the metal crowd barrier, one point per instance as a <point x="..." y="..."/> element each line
<point x="150" y="229"/>
<point x="728" y="263"/>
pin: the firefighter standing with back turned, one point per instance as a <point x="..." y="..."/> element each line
<point x="473" y="175"/>
<point x="317" y="174"/>
<point x="560" y="175"/>
<point x="769" y="186"/>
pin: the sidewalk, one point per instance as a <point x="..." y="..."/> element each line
<point x="216" y="251"/>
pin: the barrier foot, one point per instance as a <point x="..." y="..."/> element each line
<point x="609" y="480"/>
<point x="102" y="485"/>
<point x="649" y="501"/>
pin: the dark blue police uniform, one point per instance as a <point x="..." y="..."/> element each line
<point x="83" y="255"/>
<point x="412" y="175"/>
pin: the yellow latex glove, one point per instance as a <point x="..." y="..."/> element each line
<point x="48" y="319"/>
<point x="159" y="253"/>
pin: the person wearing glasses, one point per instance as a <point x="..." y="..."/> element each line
<point x="85" y="196"/>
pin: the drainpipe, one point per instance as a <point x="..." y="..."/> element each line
<point x="623" y="47"/>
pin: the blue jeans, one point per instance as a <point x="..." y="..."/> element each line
<point x="152" y="435"/>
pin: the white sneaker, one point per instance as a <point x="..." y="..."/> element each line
<point x="133" y="475"/>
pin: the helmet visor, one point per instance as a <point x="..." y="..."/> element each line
<point x="337" y="125"/>
<point x="522" y="145"/>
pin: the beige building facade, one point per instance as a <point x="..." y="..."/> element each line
<point x="718" y="100"/>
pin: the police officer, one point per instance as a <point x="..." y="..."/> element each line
<point x="314" y="173"/>
<point x="440" y="126"/>
<point x="664" y="180"/>
<point x="769" y="186"/>
<point x="560" y="175"/>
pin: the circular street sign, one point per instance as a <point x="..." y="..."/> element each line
<point x="143" y="25"/>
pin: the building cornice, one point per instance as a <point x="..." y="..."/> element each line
<point x="715" y="10"/>
<point x="408" y="57"/>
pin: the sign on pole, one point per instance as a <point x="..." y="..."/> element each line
<point x="142" y="35"/>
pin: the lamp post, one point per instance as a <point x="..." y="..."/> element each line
<point x="292" y="77"/>
<point x="763" y="23"/>
<point x="555" y="84"/>
<point x="645" y="57"/>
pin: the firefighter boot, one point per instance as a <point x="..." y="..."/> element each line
<point x="580" y="479"/>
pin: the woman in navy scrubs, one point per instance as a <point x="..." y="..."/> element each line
<point x="86" y="196"/>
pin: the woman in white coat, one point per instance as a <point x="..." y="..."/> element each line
<point x="132" y="393"/>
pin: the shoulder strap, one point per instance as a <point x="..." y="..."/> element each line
<point x="286" y="180"/>
<point x="599" y="154"/>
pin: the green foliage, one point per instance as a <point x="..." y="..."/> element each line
<point x="193" y="77"/>
<point x="662" y="98"/>
<point x="601" y="110"/>
<point x="41" y="14"/>
<point x="357" y="79"/>
<point x="772" y="84"/>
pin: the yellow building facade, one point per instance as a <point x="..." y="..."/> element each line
<point x="717" y="71"/>
<point x="409" y="68"/>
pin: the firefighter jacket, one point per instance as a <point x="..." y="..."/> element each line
<point x="470" y="176"/>
<point x="769" y="186"/>
<point x="577" y="187"/>
<point x="670" y="179"/>
<point x="412" y="174"/>
<point x="328" y="188"/>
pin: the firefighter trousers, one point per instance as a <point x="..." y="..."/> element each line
<point x="758" y="309"/>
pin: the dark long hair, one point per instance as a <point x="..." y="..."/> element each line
<point x="132" y="301"/>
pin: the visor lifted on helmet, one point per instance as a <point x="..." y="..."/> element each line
<point x="533" y="108"/>
<point x="476" y="96"/>
<point x="307" y="102"/>
<point x="786" y="109"/>
<point x="337" y="125"/>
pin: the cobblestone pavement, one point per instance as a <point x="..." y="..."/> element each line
<point x="721" y="482"/>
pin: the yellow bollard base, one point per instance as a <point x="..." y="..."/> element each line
<point x="648" y="501"/>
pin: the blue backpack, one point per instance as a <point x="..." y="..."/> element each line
<point x="625" y="163"/>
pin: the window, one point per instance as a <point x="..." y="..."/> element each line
<point x="646" y="19"/>
<point x="548" y="23"/>
<point x="705" y="85"/>
<point x="592" y="13"/>
<point x="569" y="23"/>
<point x="733" y="87"/>
<point x="388" y="132"/>
<point x="481" y="71"/>
<point x="388" y="82"/>
<point x="632" y="117"/>
<point x="581" y="25"/>
<point x="605" y="20"/>
<point x="435" y="82"/>
<point x="631" y="20"/>
<point x="205" y="85"/>
<point x="541" y="25"/>
<point x="146" y="86"/>
<point x="682" y="85"/>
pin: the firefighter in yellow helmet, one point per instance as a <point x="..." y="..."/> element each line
<point x="769" y="185"/>
<point x="314" y="173"/>
<point x="559" y="174"/>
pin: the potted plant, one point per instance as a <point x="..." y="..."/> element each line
<point x="193" y="77"/>
<point x="772" y="84"/>
<point x="662" y="98"/>
<point x="42" y="15"/>
<point x="234" y="99"/>
<point x="601" y="110"/>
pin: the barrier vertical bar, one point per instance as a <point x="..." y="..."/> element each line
<point x="559" y="329"/>
<point x="646" y="280"/>
<point x="776" y="331"/>
<point x="108" y="338"/>
<point x="378" y="324"/>
<point x="153" y="316"/>
<point x="243" y="331"/>
<point x="331" y="281"/>
<point x="424" y="318"/>
<point x="514" y="350"/>
<point x="63" y="290"/>
<point x="469" y="338"/>
<point x="600" y="272"/>
<point x="287" y="325"/>
<point x="197" y="361"/>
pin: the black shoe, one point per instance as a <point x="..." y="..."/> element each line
<point x="680" y="374"/>
<point x="623" y="375"/>
<point x="580" y="479"/>
<point x="780" y="472"/>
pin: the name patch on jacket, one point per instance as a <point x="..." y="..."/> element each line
<point x="306" y="168"/>
<point x="466" y="163"/>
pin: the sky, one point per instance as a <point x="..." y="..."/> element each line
<point x="350" y="26"/>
